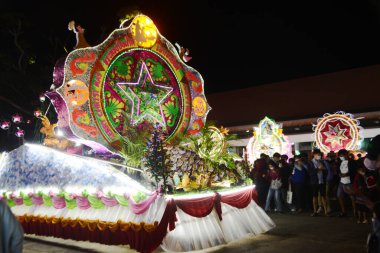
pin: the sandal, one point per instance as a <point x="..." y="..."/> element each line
<point x="314" y="215"/>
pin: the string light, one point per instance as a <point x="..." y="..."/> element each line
<point x="42" y="98"/>
<point x="5" y="125"/>
<point x="19" y="133"/>
<point x="17" y="118"/>
<point x="37" y="113"/>
<point x="337" y="131"/>
<point x="268" y="139"/>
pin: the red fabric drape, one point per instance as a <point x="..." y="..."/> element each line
<point x="143" y="241"/>
<point x="201" y="207"/>
<point x="239" y="199"/>
<point x="197" y="207"/>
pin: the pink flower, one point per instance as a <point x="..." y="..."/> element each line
<point x="99" y="194"/>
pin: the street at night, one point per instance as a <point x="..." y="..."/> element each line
<point x="190" y="126"/>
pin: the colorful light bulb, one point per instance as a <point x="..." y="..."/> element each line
<point x="42" y="97"/>
<point x="5" y="125"/>
<point x="19" y="133"/>
<point x="17" y="118"/>
<point x="37" y="113"/>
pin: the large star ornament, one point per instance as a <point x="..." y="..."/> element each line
<point x="335" y="135"/>
<point x="146" y="97"/>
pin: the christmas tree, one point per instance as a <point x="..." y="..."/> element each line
<point x="156" y="158"/>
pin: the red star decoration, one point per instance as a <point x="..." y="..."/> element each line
<point x="335" y="135"/>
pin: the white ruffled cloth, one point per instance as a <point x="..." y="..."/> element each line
<point x="193" y="233"/>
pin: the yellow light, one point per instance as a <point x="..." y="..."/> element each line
<point x="199" y="106"/>
<point x="144" y="31"/>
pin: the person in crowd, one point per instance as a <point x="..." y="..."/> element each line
<point x="373" y="189"/>
<point x="291" y="162"/>
<point x="259" y="177"/>
<point x="276" y="158"/>
<point x="347" y="170"/>
<point x="274" y="188"/>
<point x="376" y="224"/>
<point x="372" y="160"/>
<point x="285" y="172"/>
<point x="308" y="191"/>
<point x="332" y="179"/>
<point x="265" y="157"/>
<point x="298" y="180"/>
<point x="11" y="232"/>
<point x="360" y="158"/>
<point x="284" y="158"/>
<point x="360" y="188"/>
<point x="318" y="173"/>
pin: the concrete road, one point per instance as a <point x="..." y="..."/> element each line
<point x="293" y="234"/>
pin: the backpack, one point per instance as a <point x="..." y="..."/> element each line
<point x="373" y="242"/>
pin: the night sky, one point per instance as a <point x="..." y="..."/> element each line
<point x="234" y="44"/>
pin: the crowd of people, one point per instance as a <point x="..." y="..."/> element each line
<point x="309" y="183"/>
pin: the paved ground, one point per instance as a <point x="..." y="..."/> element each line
<point x="294" y="233"/>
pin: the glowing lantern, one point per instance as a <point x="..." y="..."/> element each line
<point x="5" y="125"/>
<point x="144" y="31"/>
<point x="268" y="138"/>
<point x="19" y="133"/>
<point x="337" y="131"/>
<point x="42" y="97"/>
<point x="17" y="118"/>
<point x="37" y="113"/>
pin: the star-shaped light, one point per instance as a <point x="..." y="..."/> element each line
<point x="146" y="97"/>
<point x="335" y="135"/>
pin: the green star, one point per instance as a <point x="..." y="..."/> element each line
<point x="146" y="97"/>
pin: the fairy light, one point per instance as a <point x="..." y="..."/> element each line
<point x="268" y="139"/>
<point x="42" y="98"/>
<point x="337" y="131"/>
<point x="168" y="92"/>
<point x="5" y="125"/>
<point x="17" y="118"/>
<point x="37" y="113"/>
<point x="19" y="132"/>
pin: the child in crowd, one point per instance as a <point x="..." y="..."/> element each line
<point x="275" y="187"/>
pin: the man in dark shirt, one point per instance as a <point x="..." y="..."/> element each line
<point x="285" y="173"/>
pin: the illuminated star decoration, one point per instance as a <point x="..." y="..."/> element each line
<point x="335" y="135"/>
<point x="146" y="97"/>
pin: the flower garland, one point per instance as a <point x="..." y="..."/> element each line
<point x="67" y="200"/>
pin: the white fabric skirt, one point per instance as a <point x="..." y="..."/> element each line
<point x="192" y="233"/>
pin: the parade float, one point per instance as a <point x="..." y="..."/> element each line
<point x="337" y="131"/>
<point x="141" y="111"/>
<point x="268" y="139"/>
